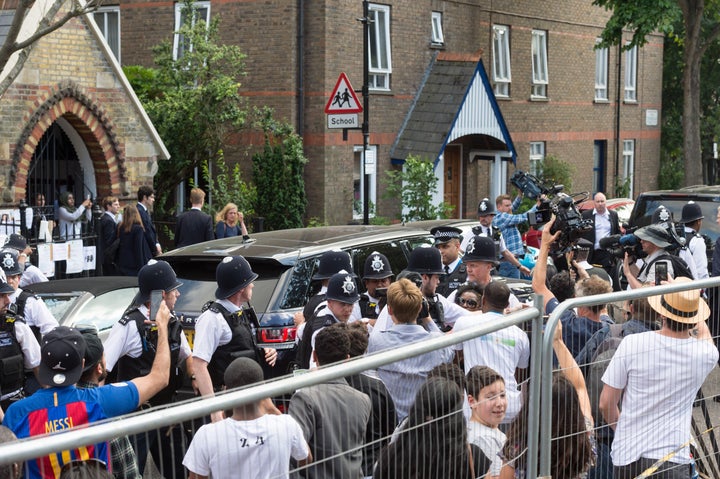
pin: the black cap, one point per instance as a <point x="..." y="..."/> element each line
<point x="16" y="241"/>
<point x="425" y="260"/>
<point x="691" y="212"/>
<point x="233" y="274"/>
<point x="481" y="248"/>
<point x="342" y="287"/>
<point x="332" y="262"/>
<point x="156" y="274"/>
<point x="377" y="266"/>
<point x="9" y="262"/>
<point x="61" y="357"/>
<point x="443" y="234"/>
<point x="584" y="243"/>
<point x="486" y="207"/>
<point x="93" y="348"/>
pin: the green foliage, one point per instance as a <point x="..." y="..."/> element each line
<point x="227" y="186"/>
<point x="671" y="175"/>
<point x="415" y="186"/>
<point x="278" y="174"/>
<point x="315" y="222"/>
<point x="557" y="172"/>
<point x="642" y="17"/>
<point x="194" y="102"/>
<point x="622" y="187"/>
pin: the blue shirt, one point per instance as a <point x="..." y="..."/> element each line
<point x="58" y="409"/>
<point x="404" y="378"/>
<point x="508" y="227"/>
<point x="577" y="330"/>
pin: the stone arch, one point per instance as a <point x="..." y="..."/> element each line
<point x="92" y="124"/>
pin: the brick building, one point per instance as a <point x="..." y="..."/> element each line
<point x="430" y="95"/>
<point x="70" y="121"/>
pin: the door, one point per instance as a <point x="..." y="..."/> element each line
<point x="452" y="173"/>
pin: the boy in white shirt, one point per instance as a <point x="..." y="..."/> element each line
<point x="488" y="402"/>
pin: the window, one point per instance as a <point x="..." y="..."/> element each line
<point x="631" y="74"/>
<point x="537" y="155"/>
<point x="379" y="47"/>
<point x="601" y="73"/>
<point x="501" y="60"/>
<point x="539" y="64"/>
<point x="359" y="178"/>
<point x="628" y="166"/>
<point x="437" y="32"/>
<point x="200" y="11"/>
<point x="108" y="21"/>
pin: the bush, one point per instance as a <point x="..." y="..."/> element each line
<point x="415" y="186"/>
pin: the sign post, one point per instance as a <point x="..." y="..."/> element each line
<point x="343" y="105"/>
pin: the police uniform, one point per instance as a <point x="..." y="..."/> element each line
<point x="454" y="273"/>
<point x="225" y="331"/>
<point x="694" y="241"/>
<point x="31" y="274"/>
<point x="19" y="352"/>
<point x="377" y="266"/>
<point x="341" y="287"/>
<point x="130" y="350"/>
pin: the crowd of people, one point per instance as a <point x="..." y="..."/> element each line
<point x="455" y="412"/>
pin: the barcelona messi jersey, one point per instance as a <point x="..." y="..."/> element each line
<point x="58" y="409"/>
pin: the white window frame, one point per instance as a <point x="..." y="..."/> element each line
<point x="198" y="7"/>
<point x="101" y="20"/>
<point x="359" y="156"/>
<point x="631" y="56"/>
<point x="628" y="170"/>
<point x="379" y="51"/>
<point x="437" y="31"/>
<point x="601" y="73"/>
<point x="537" y="155"/>
<point x="502" y="75"/>
<point x="539" y="64"/>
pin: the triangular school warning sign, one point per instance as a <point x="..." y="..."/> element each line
<point x="343" y="98"/>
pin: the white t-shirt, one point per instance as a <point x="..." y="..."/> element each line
<point x="491" y="441"/>
<point x="504" y="351"/>
<point x="660" y="377"/>
<point x="260" y="448"/>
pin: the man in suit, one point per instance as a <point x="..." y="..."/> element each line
<point x="605" y="223"/>
<point x="146" y="198"/>
<point x="108" y="234"/>
<point x="194" y="226"/>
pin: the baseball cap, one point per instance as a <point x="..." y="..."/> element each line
<point x="62" y="353"/>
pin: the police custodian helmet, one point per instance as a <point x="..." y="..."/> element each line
<point x="377" y="266"/>
<point x="480" y="248"/>
<point x="342" y="287"/>
<point x="331" y="262"/>
<point x="233" y="274"/>
<point x="425" y="260"/>
<point x="156" y="274"/>
<point x="9" y="262"/>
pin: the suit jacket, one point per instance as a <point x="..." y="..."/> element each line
<point x="614" y="224"/>
<point x="133" y="252"/>
<point x="106" y="236"/>
<point x="193" y="226"/>
<point x="150" y="233"/>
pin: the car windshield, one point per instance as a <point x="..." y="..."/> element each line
<point x="643" y="215"/>
<point x="59" y="304"/>
<point x="101" y="311"/>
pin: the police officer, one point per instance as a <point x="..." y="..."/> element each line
<point x="486" y="214"/>
<point x="447" y="241"/>
<point x="692" y="217"/>
<point x="27" y="305"/>
<point x="19" y="350"/>
<point x="377" y="275"/>
<point x="664" y="218"/>
<point x="225" y="330"/>
<point x="341" y="296"/>
<point x="480" y="259"/>
<point x="31" y="274"/>
<point x="130" y="350"/>
<point x="331" y="262"/>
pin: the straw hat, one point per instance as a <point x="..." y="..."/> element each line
<point x="684" y="306"/>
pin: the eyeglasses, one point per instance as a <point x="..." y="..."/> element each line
<point x="470" y="303"/>
<point x="90" y="464"/>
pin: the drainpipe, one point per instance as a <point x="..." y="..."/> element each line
<point x="618" y="100"/>
<point x="300" y="81"/>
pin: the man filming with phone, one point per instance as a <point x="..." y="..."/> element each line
<point x="131" y="348"/>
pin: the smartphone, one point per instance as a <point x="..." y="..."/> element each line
<point x="661" y="272"/>
<point x="156" y="298"/>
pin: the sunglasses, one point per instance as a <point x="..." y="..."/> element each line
<point x="470" y="303"/>
<point x="90" y="464"/>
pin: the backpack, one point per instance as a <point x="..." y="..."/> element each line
<point x="595" y="370"/>
<point x="680" y="267"/>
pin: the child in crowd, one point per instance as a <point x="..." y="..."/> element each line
<point x="486" y="395"/>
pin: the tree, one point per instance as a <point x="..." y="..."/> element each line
<point x="193" y="101"/>
<point x="225" y="185"/>
<point x="415" y="186"/>
<point x="278" y="174"/>
<point x="48" y="23"/>
<point x="700" y="28"/>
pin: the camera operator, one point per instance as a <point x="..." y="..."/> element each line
<point x="507" y="222"/>
<point x="654" y="239"/>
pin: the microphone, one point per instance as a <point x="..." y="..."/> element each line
<point x="610" y="241"/>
